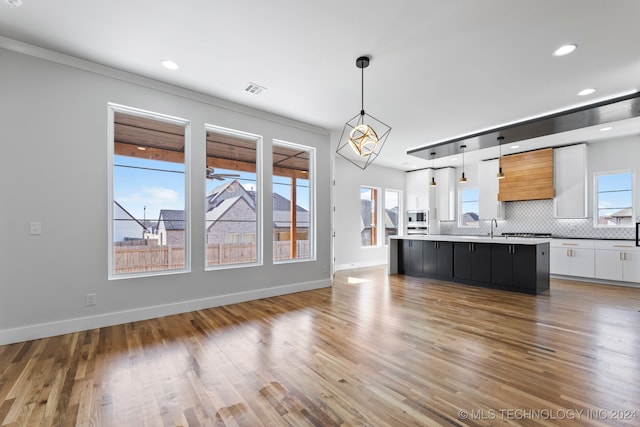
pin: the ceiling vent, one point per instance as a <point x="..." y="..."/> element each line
<point x="254" y="88"/>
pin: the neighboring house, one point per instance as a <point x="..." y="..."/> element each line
<point x="623" y="216"/>
<point x="231" y="214"/>
<point x="390" y="221"/>
<point x="233" y="220"/>
<point x="227" y="191"/>
<point x="470" y="218"/>
<point x="171" y="227"/>
<point x="282" y="220"/>
<point x="125" y="226"/>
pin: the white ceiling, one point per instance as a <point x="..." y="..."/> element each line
<point x="439" y="69"/>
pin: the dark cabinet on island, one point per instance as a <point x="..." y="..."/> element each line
<point x="472" y="261"/>
<point x="520" y="265"/>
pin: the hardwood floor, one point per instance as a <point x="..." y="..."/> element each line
<point x="373" y="350"/>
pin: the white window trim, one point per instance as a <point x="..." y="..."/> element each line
<point x="312" y="201"/>
<point x="633" y="198"/>
<point x="379" y="233"/>
<point x="259" y="191"/>
<point x="112" y="108"/>
<point x="460" y="213"/>
<point x="400" y="211"/>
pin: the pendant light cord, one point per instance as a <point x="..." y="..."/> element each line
<point x="362" y="91"/>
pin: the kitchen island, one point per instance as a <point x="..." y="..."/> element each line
<point x="513" y="264"/>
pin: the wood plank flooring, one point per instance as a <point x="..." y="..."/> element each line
<point x="373" y="350"/>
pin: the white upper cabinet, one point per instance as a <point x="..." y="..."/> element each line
<point x="489" y="205"/>
<point x="417" y="190"/>
<point x="445" y="197"/>
<point x="570" y="176"/>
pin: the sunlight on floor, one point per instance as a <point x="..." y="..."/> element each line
<point x="356" y="280"/>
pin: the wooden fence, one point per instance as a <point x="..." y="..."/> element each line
<point x="135" y="259"/>
<point x="231" y="253"/>
<point x="282" y="250"/>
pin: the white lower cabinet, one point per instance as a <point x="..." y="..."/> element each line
<point x="572" y="257"/>
<point x="617" y="260"/>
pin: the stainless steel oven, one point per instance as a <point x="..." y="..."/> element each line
<point x="417" y="217"/>
<point x="417" y="222"/>
<point x="417" y="229"/>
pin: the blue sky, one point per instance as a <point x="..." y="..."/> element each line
<point x="156" y="185"/>
<point x="614" y="192"/>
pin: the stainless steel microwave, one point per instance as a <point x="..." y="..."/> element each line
<point x="417" y="216"/>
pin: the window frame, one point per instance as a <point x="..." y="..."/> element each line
<point x="112" y="109"/>
<point x="596" y="175"/>
<point x="400" y="217"/>
<point x="259" y="198"/>
<point x="378" y="216"/>
<point x="312" y="233"/>
<point x="460" y="210"/>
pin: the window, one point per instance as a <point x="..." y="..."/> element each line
<point x="232" y="199"/>
<point x="468" y="209"/>
<point x="614" y="199"/>
<point x="148" y="221"/>
<point x="293" y="202"/>
<point x="391" y="213"/>
<point x="368" y="216"/>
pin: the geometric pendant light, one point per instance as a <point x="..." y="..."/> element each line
<point x="360" y="134"/>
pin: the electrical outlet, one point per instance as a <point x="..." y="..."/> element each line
<point x="91" y="300"/>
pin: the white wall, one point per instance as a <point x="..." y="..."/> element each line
<point x="348" y="180"/>
<point x="53" y="169"/>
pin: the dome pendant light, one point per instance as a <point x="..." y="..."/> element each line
<point x="364" y="142"/>
<point x="500" y="174"/>
<point x="463" y="179"/>
<point x="433" y="167"/>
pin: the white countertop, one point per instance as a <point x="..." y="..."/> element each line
<point x="473" y="239"/>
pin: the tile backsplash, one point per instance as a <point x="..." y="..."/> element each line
<point x="536" y="216"/>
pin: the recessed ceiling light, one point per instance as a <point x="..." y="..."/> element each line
<point x="606" y="128"/>
<point x="142" y="148"/>
<point x="169" y="64"/>
<point x="565" y="50"/>
<point x="587" y="91"/>
<point x="14" y="3"/>
<point x="513" y="147"/>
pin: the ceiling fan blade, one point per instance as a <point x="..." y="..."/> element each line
<point x="210" y="174"/>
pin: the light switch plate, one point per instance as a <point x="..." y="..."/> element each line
<point x="35" y="228"/>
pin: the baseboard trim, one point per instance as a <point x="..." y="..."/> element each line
<point x="340" y="267"/>
<point x="44" y="330"/>
<point x="595" y="281"/>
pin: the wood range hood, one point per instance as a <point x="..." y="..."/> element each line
<point x="528" y="176"/>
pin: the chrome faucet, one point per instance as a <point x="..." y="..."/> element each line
<point x="493" y="221"/>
